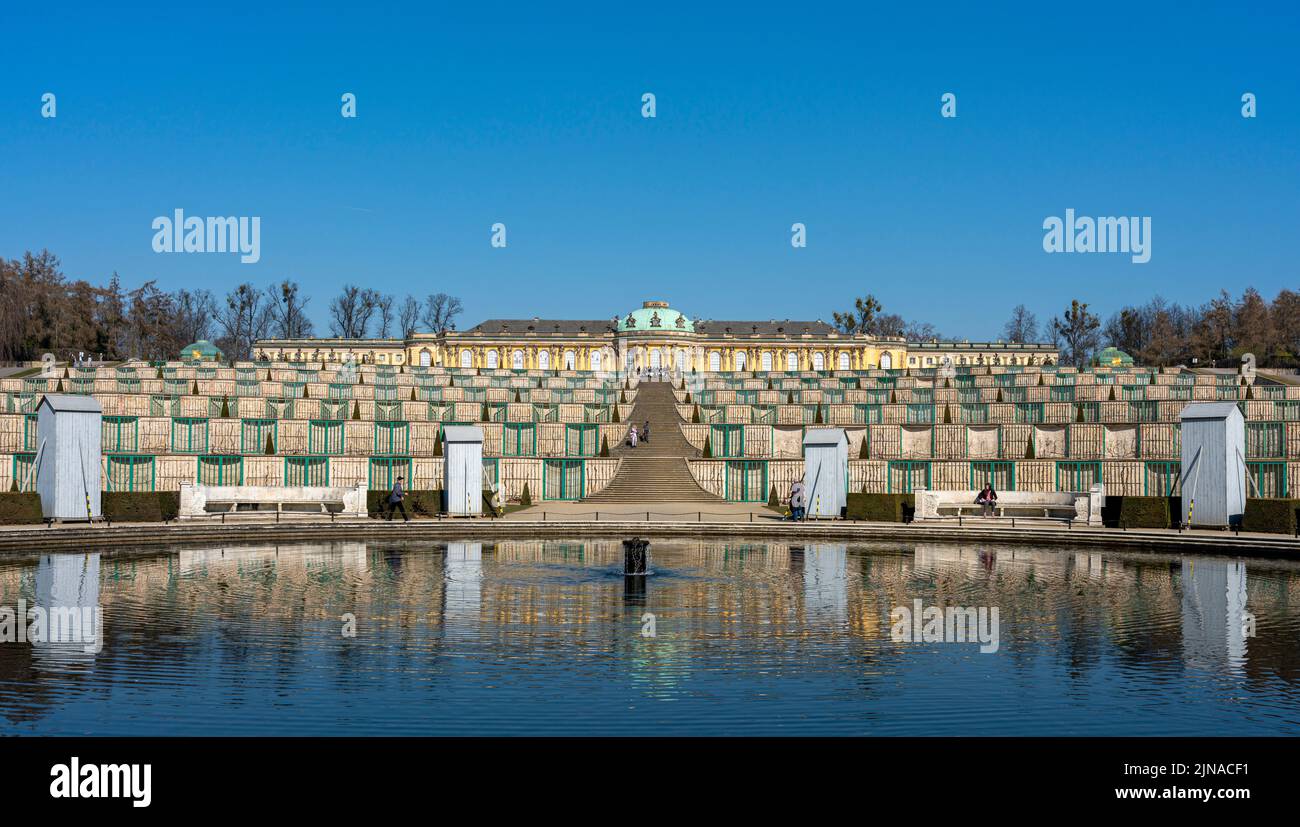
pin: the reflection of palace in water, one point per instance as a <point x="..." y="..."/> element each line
<point x="523" y="598"/>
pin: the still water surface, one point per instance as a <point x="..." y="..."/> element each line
<point x="532" y="637"/>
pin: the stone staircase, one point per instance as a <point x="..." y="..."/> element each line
<point x="654" y="472"/>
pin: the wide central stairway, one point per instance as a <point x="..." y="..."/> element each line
<point x="654" y="472"/>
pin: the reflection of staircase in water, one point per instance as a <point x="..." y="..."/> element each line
<point x="654" y="472"/>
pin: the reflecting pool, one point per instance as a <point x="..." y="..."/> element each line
<point x="549" y="638"/>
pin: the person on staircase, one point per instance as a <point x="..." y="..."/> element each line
<point x="645" y="432"/>
<point x="631" y="436"/>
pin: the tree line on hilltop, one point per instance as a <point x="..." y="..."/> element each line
<point x="44" y="311"/>
<point x="1159" y="332"/>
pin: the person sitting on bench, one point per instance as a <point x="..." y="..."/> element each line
<point x="987" y="498"/>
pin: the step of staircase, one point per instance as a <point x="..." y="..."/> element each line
<point x="654" y="471"/>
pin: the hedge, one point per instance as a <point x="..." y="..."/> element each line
<point x="881" y="508"/>
<point x="417" y="503"/>
<point x="140" y="506"/>
<point x="1271" y="516"/>
<point x="1140" y="512"/>
<point x="20" y="509"/>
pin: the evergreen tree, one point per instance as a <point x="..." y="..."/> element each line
<point x="356" y="410"/>
<point x="525" y="498"/>
<point x="270" y="445"/>
<point x="708" y="448"/>
<point x="1029" y="448"/>
<point x="695" y="415"/>
<point x="604" y="445"/>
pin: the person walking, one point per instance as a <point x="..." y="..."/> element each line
<point x="645" y="432"/>
<point x="797" y="501"/>
<point x="395" y="498"/>
<point x="632" y="436"/>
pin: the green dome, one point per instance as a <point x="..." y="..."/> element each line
<point x="1113" y="357"/>
<point x="655" y="317"/>
<point x="200" y="351"/>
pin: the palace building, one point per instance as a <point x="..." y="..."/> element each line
<point x="655" y="336"/>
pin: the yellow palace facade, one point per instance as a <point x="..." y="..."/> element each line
<point x="654" y="336"/>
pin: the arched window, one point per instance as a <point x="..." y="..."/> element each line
<point x="844" y="361"/>
<point x="681" y="361"/>
<point x="426" y="358"/>
<point x="886" y="361"/>
<point x="656" y="359"/>
<point x="819" y="361"/>
<point x="715" y="361"/>
<point x="544" y="359"/>
<point x="792" y="362"/>
<point x="517" y="360"/>
<point x="740" y="360"/>
<point x="766" y="360"/>
<point x="570" y="360"/>
<point x="466" y="359"/>
<point x="492" y="360"/>
<point x="595" y="360"/>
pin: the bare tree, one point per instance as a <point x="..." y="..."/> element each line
<point x="860" y="318"/>
<point x="409" y="316"/>
<point x="1022" y="326"/>
<point x="242" y="321"/>
<point x="440" y="312"/>
<point x="1078" y="330"/>
<point x="195" y="313"/>
<point x="288" y="312"/>
<point x="350" y="312"/>
<point x="384" y="307"/>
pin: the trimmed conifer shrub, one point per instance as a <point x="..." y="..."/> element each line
<point x="356" y="410"/>
<point x="604" y="445"/>
<point x="708" y="448"/>
<point x="525" y="498"/>
<point x="270" y="445"/>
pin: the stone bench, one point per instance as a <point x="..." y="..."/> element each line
<point x="1084" y="507"/>
<point x="270" y="500"/>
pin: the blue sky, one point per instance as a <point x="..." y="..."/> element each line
<point x="768" y="114"/>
